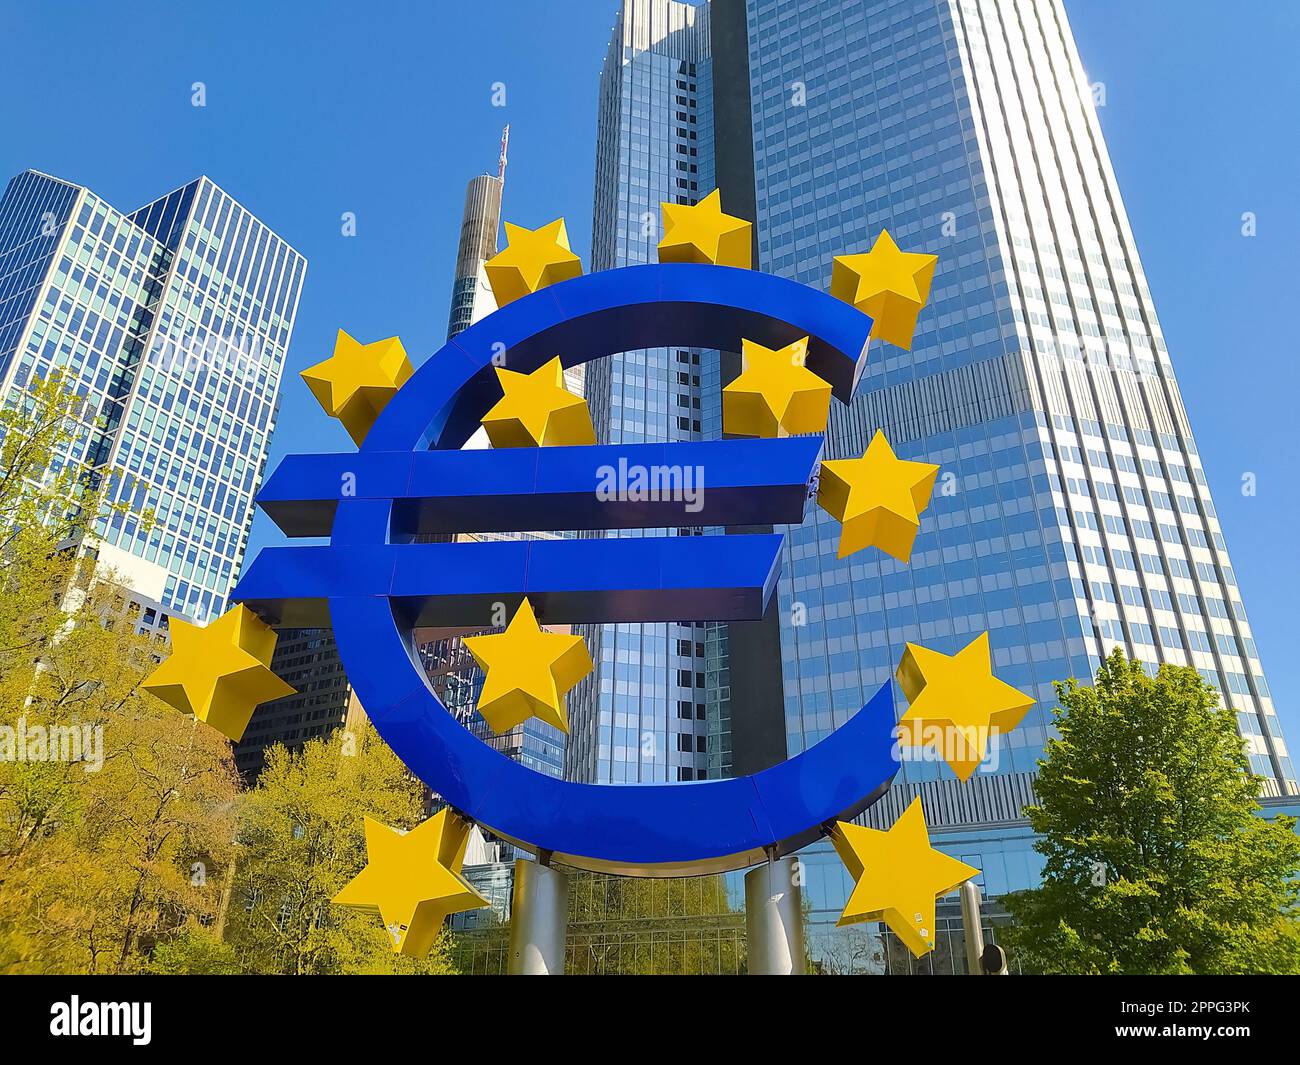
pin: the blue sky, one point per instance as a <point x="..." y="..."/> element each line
<point x="386" y="110"/>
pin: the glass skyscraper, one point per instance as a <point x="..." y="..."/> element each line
<point x="1072" y="511"/>
<point x="172" y="323"/>
<point x="452" y="671"/>
<point x="641" y="716"/>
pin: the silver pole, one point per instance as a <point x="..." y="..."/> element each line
<point x="539" y="917"/>
<point x="774" y="919"/>
<point x="972" y="926"/>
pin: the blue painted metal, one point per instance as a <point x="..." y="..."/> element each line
<point x="665" y="305"/>
<point x="708" y="483"/>
<point x="378" y="587"/>
<point x="647" y="829"/>
<point x="642" y="579"/>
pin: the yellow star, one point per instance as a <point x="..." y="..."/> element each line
<point x="956" y="703"/>
<point x="531" y="259"/>
<point x="776" y="394"/>
<point x="878" y="499"/>
<point x="358" y="380"/>
<point x="413" y="880"/>
<point x="219" y="673"/>
<point x="529" y="671"/>
<point x="703" y="234"/>
<point x="890" y="285"/>
<point x="536" y="410"/>
<point x="899" y="876"/>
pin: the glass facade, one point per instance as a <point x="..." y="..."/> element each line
<point x="617" y="926"/>
<point x="1072" y="511"/>
<point x="308" y="661"/>
<point x="172" y="322"/>
<point x="640" y="717"/>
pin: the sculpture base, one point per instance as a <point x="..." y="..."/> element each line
<point x="539" y="919"/>
<point x="774" y="919"/>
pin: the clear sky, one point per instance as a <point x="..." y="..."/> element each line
<point x="386" y="110"/>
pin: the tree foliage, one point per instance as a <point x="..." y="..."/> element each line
<point x="301" y="839"/>
<point x="106" y="836"/>
<point x="126" y="860"/>
<point x="1156" y="858"/>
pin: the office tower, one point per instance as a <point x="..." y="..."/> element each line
<point x="323" y="700"/>
<point x="1072" y="511"/>
<point x="641" y="716"/>
<point x="1077" y="515"/>
<point x="309" y="659"/>
<point x="173" y="322"/>
<point x="471" y="294"/>
<point x="452" y="671"/>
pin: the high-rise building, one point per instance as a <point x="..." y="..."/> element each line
<point x="1076" y="515"/>
<point x="1072" y="512"/>
<point x="172" y="323"/>
<point x="641" y="716"/>
<point x="309" y="659"/>
<point x="471" y="293"/>
<point x="455" y="676"/>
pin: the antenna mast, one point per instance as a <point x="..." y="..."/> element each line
<point x="501" y="161"/>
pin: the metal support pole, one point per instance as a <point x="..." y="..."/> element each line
<point x="539" y="917"/>
<point x="774" y="919"/>
<point x="973" y="927"/>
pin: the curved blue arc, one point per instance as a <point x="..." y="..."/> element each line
<point x="651" y="306"/>
<point x="648" y="829"/>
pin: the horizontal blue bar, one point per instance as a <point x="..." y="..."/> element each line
<point x="618" y="486"/>
<point x="616" y="579"/>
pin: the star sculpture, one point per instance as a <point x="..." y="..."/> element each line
<point x="529" y="671"/>
<point x="703" y="234"/>
<point x="776" y="394"/>
<point x="358" y="380"/>
<point x="956" y="702"/>
<point x="536" y="410"/>
<point x="219" y="673"/>
<point x="899" y="876"/>
<point x="413" y="880"/>
<point x="878" y="499"/>
<point x="531" y="259"/>
<point x="888" y="284"/>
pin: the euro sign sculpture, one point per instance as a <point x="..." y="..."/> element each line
<point x="378" y="578"/>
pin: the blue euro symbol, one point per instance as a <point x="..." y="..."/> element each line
<point x="379" y="578"/>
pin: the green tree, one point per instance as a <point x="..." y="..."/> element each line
<point x="194" y="952"/>
<point x="102" y="858"/>
<point x="301" y="839"/>
<point x="1156" y="858"/>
